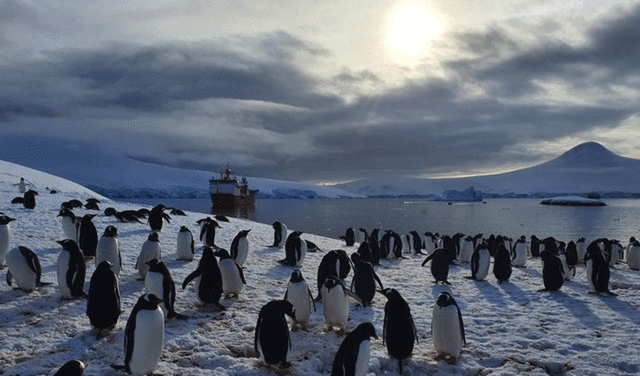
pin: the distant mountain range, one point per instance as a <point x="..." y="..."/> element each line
<point x="584" y="169"/>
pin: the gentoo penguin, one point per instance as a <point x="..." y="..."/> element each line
<point x="361" y="235"/>
<point x="208" y="279"/>
<point x="335" y="262"/>
<point x="160" y="283"/>
<point x="399" y="331"/>
<point x="108" y="249"/>
<point x="5" y="236"/>
<point x="416" y="243"/>
<point x="581" y="249"/>
<point x="569" y="260"/>
<point x="519" y="253"/>
<point x="208" y="232"/>
<point x="447" y="328"/>
<point x="69" y="224"/>
<point x="480" y="262"/>
<point x="364" y="279"/>
<point x="22" y="185"/>
<point x="103" y="303"/>
<point x="186" y="247"/>
<point x="407" y="243"/>
<point x="232" y="275"/>
<point x="144" y="336"/>
<point x="349" y="237"/>
<point x="72" y="270"/>
<point x="440" y="264"/>
<point x="28" y="200"/>
<point x="295" y="250"/>
<point x="552" y="271"/>
<point x="71" y="368"/>
<point x="240" y="247"/>
<point x="534" y="247"/>
<point x="336" y="303"/>
<point x="157" y="216"/>
<point x="92" y="204"/>
<point x="352" y="358"/>
<point x="272" y="340"/>
<point x="280" y="233"/>
<point x="299" y="294"/>
<point x="598" y="273"/>
<point x="364" y="250"/>
<point x="221" y="218"/>
<point x="633" y="255"/>
<point x="150" y="250"/>
<point x="87" y="236"/>
<point x="466" y="249"/>
<point x="430" y="242"/>
<point x="177" y="212"/>
<point x="502" y="264"/>
<point x="24" y="267"/>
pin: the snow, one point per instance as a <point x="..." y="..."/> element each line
<point x="572" y="201"/>
<point x="511" y="329"/>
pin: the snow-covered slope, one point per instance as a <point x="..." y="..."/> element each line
<point x="511" y="328"/>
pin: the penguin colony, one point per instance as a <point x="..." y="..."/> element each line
<point x="219" y="275"/>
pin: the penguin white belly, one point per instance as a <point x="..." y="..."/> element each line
<point x="392" y="243"/>
<point x="447" y="337"/>
<point x="483" y="265"/>
<point x="150" y="250"/>
<point x="335" y="307"/>
<point x="568" y="273"/>
<point x="581" y="248"/>
<point x="197" y="281"/>
<point x="429" y="246"/>
<point x="406" y="244"/>
<point x="298" y="295"/>
<point x="521" y="255"/>
<point x="5" y="240"/>
<point x="231" y="281"/>
<point x="303" y="252"/>
<point x="283" y="235"/>
<point x="466" y="251"/>
<point x="148" y="340"/>
<point x="153" y="285"/>
<point x="183" y="251"/>
<point x="243" y="250"/>
<point x="633" y="258"/>
<point x="589" y="270"/>
<point x="362" y="360"/>
<point x="24" y="276"/>
<point x="108" y="251"/>
<point x="62" y="267"/>
<point x="69" y="228"/>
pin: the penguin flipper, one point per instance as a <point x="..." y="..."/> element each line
<point x="428" y="259"/>
<point x="191" y="277"/>
<point x="241" y="272"/>
<point x="9" y="278"/>
<point x="354" y="296"/>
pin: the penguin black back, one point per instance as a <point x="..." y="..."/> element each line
<point x="157" y="216"/>
<point x="502" y="264"/>
<point x="364" y="279"/>
<point x="552" y="271"/>
<point x="168" y="286"/>
<point x="399" y="331"/>
<point x="77" y="268"/>
<point x="29" y="201"/>
<point x="344" y="363"/>
<point x="440" y="264"/>
<point x="210" y="288"/>
<point x="328" y="266"/>
<point x="103" y="303"/>
<point x="88" y="236"/>
<point x="272" y="337"/>
<point x="71" y="368"/>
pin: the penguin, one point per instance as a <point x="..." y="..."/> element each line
<point x="336" y="303"/>
<point x="480" y="262"/>
<point x="159" y="282"/>
<point x="69" y="224"/>
<point x="92" y="204"/>
<point x="581" y="249"/>
<point x="398" y="331"/>
<point x="5" y="236"/>
<point x="221" y="218"/>
<point x="447" y="328"/>
<point x="361" y="235"/>
<point x="598" y="272"/>
<point x="466" y="249"/>
<point x="208" y="232"/>
<point x="352" y="357"/>
<point x="279" y="234"/>
<point x="349" y="237"/>
<point x="28" y="199"/>
<point x="519" y="253"/>
<point x="87" y="236"/>
<point x="240" y="247"/>
<point x="272" y="339"/>
<point x="24" y="267"/>
<point x="72" y="270"/>
<point x="177" y="212"/>
<point x="502" y="264"/>
<point x="416" y="243"/>
<point x="208" y="280"/>
<point x="232" y="275"/>
<point x="440" y="264"/>
<point x="534" y="247"/>
<point x="569" y="260"/>
<point x="144" y="336"/>
<point x="71" y="368"/>
<point x="109" y="249"/>
<point x="364" y="250"/>
<point x="186" y="246"/>
<point x="157" y="216"/>
<point x="407" y="243"/>
<point x="299" y="294"/>
<point x="150" y="250"/>
<point x="552" y="271"/>
<point x="336" y="263"/>
<point x="430" y="242"/>
<point x="22" y="185"/>
<point x="103" y="303"/>
<point x="633" y="255"/>
<point x="376" y="253"/>
<point x="364" y="279"/>
<point x="295" y="250"/>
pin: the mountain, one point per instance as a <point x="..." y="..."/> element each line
<point x="586" y="168"/>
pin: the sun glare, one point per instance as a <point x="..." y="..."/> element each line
<point x="412" y="27"/>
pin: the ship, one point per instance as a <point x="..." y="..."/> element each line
<point x="228" y="193"/>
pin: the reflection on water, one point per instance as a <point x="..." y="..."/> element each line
<point x="245" y="212"/>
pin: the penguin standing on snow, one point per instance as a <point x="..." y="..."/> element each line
<point x="71" y="368"/>
<point x="157" y="216"/>
<point x="208" y="232"/>
<point x="352" y="358"/>
<point x="519" y="253"/>
<point x="581" y="249"/>
<point x="480" y="262"/>
<point x="336" y="303"/>
<point x="336" y="263"/>
<point x="416" y="243"/>
<point x="349" y="237"/>
<point x="552" y="271"/>
<point x="24" y="267"/>
<point x="5" y="236"/>
<point x="28" y="199"/>
<point x="160" y="283"/>
<point x="295" y="250"/>
<point x="150" y="250"/>
<point x="447" y="328"/>
<point x="399" y="331"/>
<point x="272" y="339"/>
<point x="299" y="294"/>
<point x="232" y="275"/>
<point x="240" y="247"/>
<point x="87" y="236"/>
<point x="144" y="336"/>
<point x="364" y="279"/>
<point x="502" y="264"/>
<point x="440" y="264"/>
<point x="108" y="249"/>
<point x="72" y="270"/>
<point x="598" y="272"/>
<point x="103" y="303"/>
<point x="466" y="249"/>
<point x="69" y="224"/>
<point x="633" y="255"/>
<point x="280" y="234"/>
<point x="208" y="279"/>
<point x="186" y="247"/>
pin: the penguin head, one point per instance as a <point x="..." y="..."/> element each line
<point x="445" y="299"/>
<point x="364" y="331"/>
<point x="391" y="294"/>
<point x="68" y="244"/>
<point x="110" y="232"/>
<point x="244" y="232"/>
<point x="104" y="266"/>
<point x="71" y="368"/>
<point x="5" y="220"/>
<point x="332" y="281"/>
<point x="155" y="265"/>
<point x="159" y="208"/>
<point x="110" y="211"/>
<point x="632" y="239"/>
<point x="184" y="229"/>
<point x="222" y="253"/>
<point x="286" y="308"/>
<point x="149" y="301"/>
<point x="296" y="276"/>
<point x="356" y="258"/>
<point x="153" y="237"/>
<point x="277" y="225"/>
<point x="208" y="257"/>
<point x="31" y="193"/>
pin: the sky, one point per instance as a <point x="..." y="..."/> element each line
<point x="327" y="91"/>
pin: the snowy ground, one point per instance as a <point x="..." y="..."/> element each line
<point x="512" y="329"/>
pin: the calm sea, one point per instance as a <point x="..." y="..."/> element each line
<point x="620" y="219"/>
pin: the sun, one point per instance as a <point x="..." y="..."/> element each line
<point x="411" y="28"/>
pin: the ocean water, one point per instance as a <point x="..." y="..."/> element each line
<point x="620" y="219"/>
